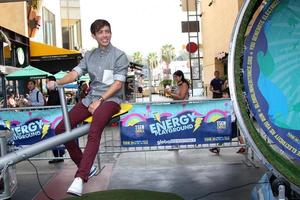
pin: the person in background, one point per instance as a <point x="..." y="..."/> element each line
<point x="107" y="67"/>
<point x="129" y="89"/>
<point x="226" y="94"/>
<point x="182" y="90"/>
<point x="53" y="100"/>
<point x="78" y="91"/>
<point x="53" y="95"/>
<point x="140" y="85"/>
<point x="11" y="103"/>
<point x="235" y="131"/>
<point x="35" y="97"/>
<point x="216" y="86"/>
<point x="84" y="90"/>
<point x="22" y="101"/>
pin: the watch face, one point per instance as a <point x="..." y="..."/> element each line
<point x="20" y="55"/>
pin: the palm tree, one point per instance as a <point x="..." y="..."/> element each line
<point x="137" y="57"/>
<point x="152" y="61"/>
<point x="167" y="55"/>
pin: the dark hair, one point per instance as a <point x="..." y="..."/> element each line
<point x="98" y="24"/>
<point x="51" y="78"/>
<point x="33" y="81"/>
<point x="180" y="73"/>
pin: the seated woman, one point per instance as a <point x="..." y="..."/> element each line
<point x="11" y="102"/>
<point x="182" y="90"/>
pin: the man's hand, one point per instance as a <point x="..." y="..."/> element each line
<point x="93" y="106"/>
<point x="51" y="85"/>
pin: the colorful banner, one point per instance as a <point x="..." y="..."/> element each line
<point x="177" y="123"/>
<point x="271" y="67"/>
<point x="30" y="127"/>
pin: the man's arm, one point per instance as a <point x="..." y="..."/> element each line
<point x="68" y="78"/>
<point x="211" y="88"/>
<point x="116" y="86"/>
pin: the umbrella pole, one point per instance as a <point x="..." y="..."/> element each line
<point x="41" y="86"/>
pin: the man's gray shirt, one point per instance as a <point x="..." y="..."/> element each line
<point x="104" y="66"/>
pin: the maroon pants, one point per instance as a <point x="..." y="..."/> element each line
<point x="102" y="115"/>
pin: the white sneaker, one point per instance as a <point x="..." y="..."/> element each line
<point x="76" y="187"/>
<point x="94" y="171"/>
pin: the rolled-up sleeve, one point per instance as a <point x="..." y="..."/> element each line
<point x="81" y="68"/>
<point x="121" y="68"/>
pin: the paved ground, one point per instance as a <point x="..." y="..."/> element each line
<point x="188" y="173"/>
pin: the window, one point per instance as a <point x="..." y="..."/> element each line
<point x="49" y="27"/>
<point x="72" y="36"/>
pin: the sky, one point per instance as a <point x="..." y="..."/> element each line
<point x="137" y="25"/>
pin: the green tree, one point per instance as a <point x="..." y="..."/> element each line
<point x="167" y="56"/>
<point x="137" y="57"/>
<point x="152" y="60"/>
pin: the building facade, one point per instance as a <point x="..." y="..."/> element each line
<point x="71" y="24"/>
<point x="31" y="34"/>
<point x="14" y="42"/>
<point x="47" y="14"/>
<point x="217" y="22"/>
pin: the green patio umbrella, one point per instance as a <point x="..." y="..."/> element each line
<point x="28" y="72"/>
<point x="85" y="77"/>
<point x="60" y="75"/>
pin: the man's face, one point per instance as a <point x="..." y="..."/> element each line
<point x="30" y="85"/>
<point x="103" y="36"/>
<point x="217" y="74"/>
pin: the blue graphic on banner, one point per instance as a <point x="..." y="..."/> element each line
<point x="271" y="66"/>
<point x="178" y="123"/>
<point x="30" y="127"/>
